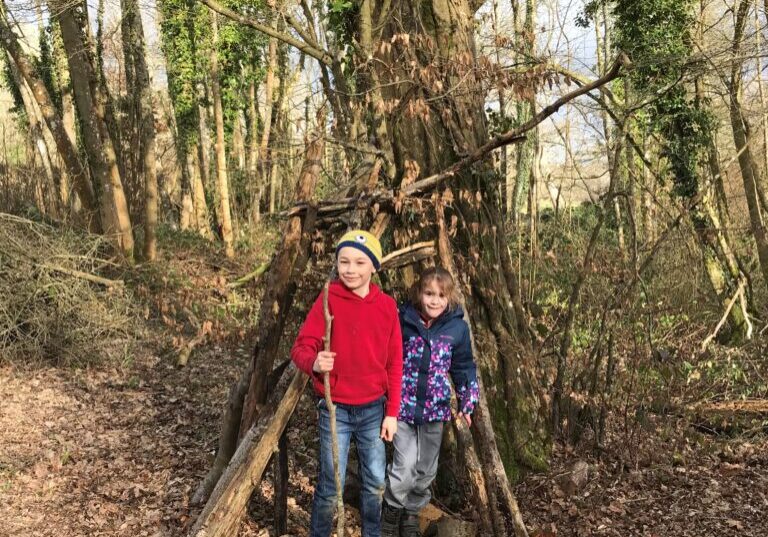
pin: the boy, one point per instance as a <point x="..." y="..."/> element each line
<point x="366" y="367"/>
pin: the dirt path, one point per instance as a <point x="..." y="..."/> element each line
<point x="106" y="452"/>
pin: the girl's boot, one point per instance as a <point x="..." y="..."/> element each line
<point x="409" y="526"/>
<point x="390" y="520"/>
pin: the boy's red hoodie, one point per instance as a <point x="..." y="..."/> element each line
<point x="366" y="338"/>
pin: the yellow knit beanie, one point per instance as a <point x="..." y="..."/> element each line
<point x="363" y="241"/>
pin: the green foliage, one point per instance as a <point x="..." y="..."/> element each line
<point x="686" y="129"/>
<point x="9" y="83"/>
<point x="242" y="59"/>
<point x="185" y="35"/>
<point x="498" y="123"/>
<point x="342" y="20"/>
<point x="656" y="36"/>
<point x="46" y="66"/>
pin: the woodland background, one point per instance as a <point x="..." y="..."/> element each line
<point x="174" y="174"/>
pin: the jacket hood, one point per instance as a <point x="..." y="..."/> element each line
<point x="340" y="290"/>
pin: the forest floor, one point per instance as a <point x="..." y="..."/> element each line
<point x="119" y="451"/>
<point x="116" y="447"/>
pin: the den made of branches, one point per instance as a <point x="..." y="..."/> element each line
<point x="407" y="107"/>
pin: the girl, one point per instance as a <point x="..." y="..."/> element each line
<point x="435" y="344"/>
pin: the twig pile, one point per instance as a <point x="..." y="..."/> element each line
<point x="54" y="305"/>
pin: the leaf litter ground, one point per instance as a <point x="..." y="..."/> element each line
<point x="118" y="452"/>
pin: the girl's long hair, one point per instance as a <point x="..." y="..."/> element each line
<point x="444" y="282"/>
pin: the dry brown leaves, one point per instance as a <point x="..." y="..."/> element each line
<point x="685" y="485"/>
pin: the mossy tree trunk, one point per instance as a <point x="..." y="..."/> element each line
<point x="223" y="213"/>
<point x="97" y="140"/>
<point x="750" y="173"/>
<point x="142" y="120"/>
<point x="439" y="118"/>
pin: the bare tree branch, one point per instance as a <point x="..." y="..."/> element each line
<point x="512" y="136"/>
<point x="323" y="56"/>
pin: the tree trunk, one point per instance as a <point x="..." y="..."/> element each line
<point x="65" y="84"/>
<point x="253" y="153"/>
<point x="177" y="187"/>
<point x="204" y="134"/>
<point x="140" y="90"/>
<point x="761" y="92"/>
<point x="649" y="191"/>
<point x="67" y="108"/>
<point x="66" y="148"/>
<point x="289" y="261"/>
<point x="94" y="50"/>
<point x="489" y="482"/>
<point x="750" y="172"/>
<point x="36" y="125"/>
<point x="99" y="146"/>
<point x="616" y="170"/>
<point x="222" y="180"/>
<point x="278" y="133"/>
<point x="721" y="221"/>
<point x="717" y="271"/>
<point x="527" y="151"/>
<point x="442" y="34"/>
<point x="280" y="473"/>
<point x="503" y="171"/>
<point x="238" y="139"/>
<point x="194" y="169"/>
<point x="269" y="94"/>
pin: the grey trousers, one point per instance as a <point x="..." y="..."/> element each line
<point x="414" y="465"/>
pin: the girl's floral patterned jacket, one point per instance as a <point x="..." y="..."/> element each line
<point x="430" y="355"/>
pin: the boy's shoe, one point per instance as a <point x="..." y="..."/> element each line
<point x="390" y="520"/>
<point x="409" y="525"/>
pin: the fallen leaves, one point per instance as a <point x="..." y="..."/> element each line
<point x="107" y="452"/>
<point x="722" y="490"/>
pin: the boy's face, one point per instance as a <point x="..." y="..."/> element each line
<point x="355" y="268"/>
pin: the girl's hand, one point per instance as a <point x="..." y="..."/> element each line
<point x="323" y="362"/>
<point x="467" y="418"/>
<point x="388" y="428"/>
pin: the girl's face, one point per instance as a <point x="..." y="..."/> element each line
<point x="433" y="300"/>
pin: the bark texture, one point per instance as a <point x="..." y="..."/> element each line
<point x="90" y="100"/>
<point x="438" y="119"/>
<point x="140" y="95"/>
<point x="66" y="147"/>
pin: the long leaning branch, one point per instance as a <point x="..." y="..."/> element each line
<point x="332" y="415"/>
<point x="515" y="135"/>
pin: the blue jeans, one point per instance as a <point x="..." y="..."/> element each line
<point x="363" y="423"/>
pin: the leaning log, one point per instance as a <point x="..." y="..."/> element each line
<point x="284" y="270"/>
<point x="498" y="502"/>
<point x="230" y="425"/>
<point x="286" y="267"/>
<point x="222" y="514"/>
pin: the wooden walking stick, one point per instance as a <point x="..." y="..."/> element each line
<point x="332" y="414"/>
